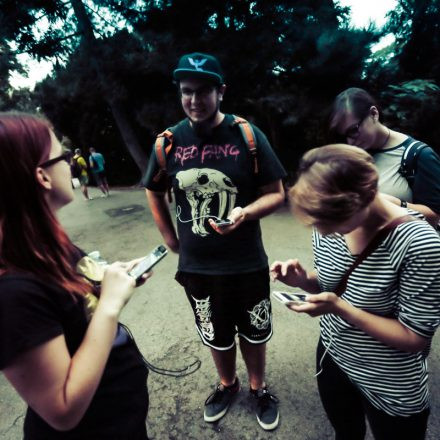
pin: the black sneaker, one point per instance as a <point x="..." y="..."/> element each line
<point x="218" y="402"/>
<point x="266" y="408"/>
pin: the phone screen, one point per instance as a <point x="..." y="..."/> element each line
<point x="222" y="223"/>
<point x="148" y="262"/>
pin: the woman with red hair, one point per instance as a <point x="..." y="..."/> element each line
<point x="61" y="347"/>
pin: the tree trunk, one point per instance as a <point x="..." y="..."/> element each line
<point x="129" y="136"/>
<point x="119" y="114"/>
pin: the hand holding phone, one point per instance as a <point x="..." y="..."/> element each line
<point x="147" y="263"/>
<point x="290" y="298"/>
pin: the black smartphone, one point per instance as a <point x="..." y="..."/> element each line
<point x="223" y="223"/>
<point x="147" y="263"/>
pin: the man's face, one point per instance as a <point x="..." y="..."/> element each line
<point x="200" y="99"/>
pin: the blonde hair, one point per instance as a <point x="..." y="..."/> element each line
<point x="334" y="183"/>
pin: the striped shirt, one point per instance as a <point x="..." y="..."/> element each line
<point x="401" y="278"/>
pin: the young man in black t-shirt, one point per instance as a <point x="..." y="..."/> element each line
<point x="224" y="270"/>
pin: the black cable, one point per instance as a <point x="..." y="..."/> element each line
<point x="186" y="371"/>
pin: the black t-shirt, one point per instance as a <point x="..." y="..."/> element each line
<point x="211" y="175"/>
<point x="426" y="186"/>
<point x="33" y="312"/>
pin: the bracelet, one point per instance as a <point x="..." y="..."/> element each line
<point x="403" y="204"/>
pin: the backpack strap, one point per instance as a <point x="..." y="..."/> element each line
<point x="161" y="151"/>
<point x="249" y="138"/>
<point x="408" y="164"/>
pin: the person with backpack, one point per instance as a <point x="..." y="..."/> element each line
<point x="97" y="166"/>
<point x="375" y="286"/>
<point x="225" y="177"/>
<point x="79" y="170"/>
<point x="409" y="170"/>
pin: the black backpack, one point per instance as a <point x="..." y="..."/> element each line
<point x="408" y="164"/>
<point x="75" y="168"/>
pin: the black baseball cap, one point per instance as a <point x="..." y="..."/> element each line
<point x="199" y="65"/>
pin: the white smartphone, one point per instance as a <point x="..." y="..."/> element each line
<point x="288" y="298"/>
<point x="223" y="223"/>
<point x="147" y="263"/>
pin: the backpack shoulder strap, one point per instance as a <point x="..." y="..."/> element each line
<point x="249" y="138"/>
<point x="408" y="164"/>
<point x="161" y="150"/>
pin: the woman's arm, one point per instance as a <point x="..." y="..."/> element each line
<point x="431" y="217"/>
<point x="59" y="387"/>
<point x="387" y="330"/>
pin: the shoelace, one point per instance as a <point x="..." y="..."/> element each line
<point x="264" y="398"/>
<point x="216" y="396"/>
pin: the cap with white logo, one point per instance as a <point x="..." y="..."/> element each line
<point x="199" y="65"/>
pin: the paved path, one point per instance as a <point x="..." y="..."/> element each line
<point x="121" y="227"/>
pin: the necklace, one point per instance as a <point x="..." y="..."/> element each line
<point x="386" y="140"/>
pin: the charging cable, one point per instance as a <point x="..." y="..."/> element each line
<point x="323" y="356"/>
<point x="179" y="211"/>
<point x="186" y="371"/>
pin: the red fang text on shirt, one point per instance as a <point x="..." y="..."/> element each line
<point x="217" y="152"/>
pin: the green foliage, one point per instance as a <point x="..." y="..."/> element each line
<point x="416" y="25"/>
<point x="413" y="107"/>
<point x="284" y="63"/>
<point x="73" y="99"/>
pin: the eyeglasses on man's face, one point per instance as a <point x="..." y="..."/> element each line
<point x="66" y="156"/>
<point x="354" y="131"/>
<point x="200" y="92"/>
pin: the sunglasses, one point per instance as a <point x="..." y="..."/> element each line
<point x="66" y="156"/>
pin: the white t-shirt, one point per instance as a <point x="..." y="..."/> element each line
<point x="390" y="180"/>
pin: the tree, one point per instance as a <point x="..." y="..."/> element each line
<point x="416" y="25"/>
<point x="18" y="23"/>
<point x="413" y="107"/>
<point x="284" y="60"/>
<point x="284" y="63"/>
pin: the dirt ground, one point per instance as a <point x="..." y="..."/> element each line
<point x="121" y="228"/>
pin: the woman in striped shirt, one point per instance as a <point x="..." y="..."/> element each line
<point x="375" y="337"/>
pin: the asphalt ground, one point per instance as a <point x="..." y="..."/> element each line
<point x="121" y="228"/>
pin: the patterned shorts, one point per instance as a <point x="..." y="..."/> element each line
<point x="225" y="305"/>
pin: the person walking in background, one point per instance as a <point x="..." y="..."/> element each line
<point x="223" y="269"/>
<point x="376" y="287"/>
<point x="61" y="345"/>
<point x="356" y="118"/>
<point x="79" y="170"/>
<point x="97" y="166"/>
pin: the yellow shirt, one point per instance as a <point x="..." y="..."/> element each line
<point x="82" y="163"/>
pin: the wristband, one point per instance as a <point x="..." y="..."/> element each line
<point x="403" y="204"/>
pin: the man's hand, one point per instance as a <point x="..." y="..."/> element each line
<point x="237" y="216"/>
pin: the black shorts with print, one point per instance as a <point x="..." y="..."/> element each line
<point x="225" y="305"/>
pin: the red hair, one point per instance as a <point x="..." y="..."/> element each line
<point x="31" y="238"/>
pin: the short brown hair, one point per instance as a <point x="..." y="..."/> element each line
<point x="334" y="183"/>
<point x="355" y="100"/>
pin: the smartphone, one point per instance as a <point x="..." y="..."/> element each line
<point x="287" y="297"/>
<point x="223" y="223"/>
<point x="147" y="263"/>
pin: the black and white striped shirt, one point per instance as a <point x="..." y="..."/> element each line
<point x="401" y="278"/>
